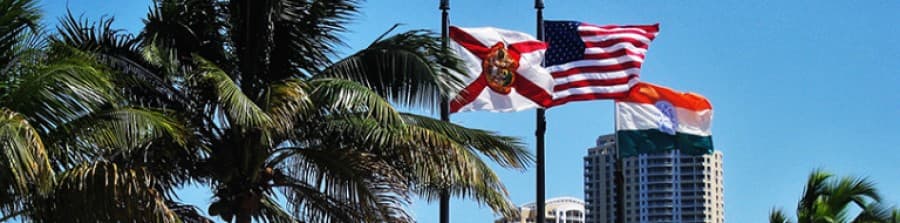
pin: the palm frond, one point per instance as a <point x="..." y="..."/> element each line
<point x="342" y="185"/>
<point x="271" y="211"/>
<point x="816" y="187"/>
<point x="120" y="52"/>
<point x="410" y="68"/>
<point x="874" y="213"/>
<point x="430" y="158"/>
<point x="851" y="190"/>
<point x="112" y="192"/>
<point x="507" y="151"/>
<point x="61" y="91"/>
<point x="17" y="17"/>
<point x="24" y="163"/>
<point x="462" y="171"/>
<point x="306" y="34"/>
<point x="778" y="216"/>
<point x="241" y="110"/>
<point x="124" y="133"/>
<point x="477" y="181"/>
<point x="187" y="27"/>
<point x="341" y="96"/>
<point x="287" y="101"/>
<point x="94" y="36"/>
<point x="133" y="127"/>
<point x="188" y="213"/>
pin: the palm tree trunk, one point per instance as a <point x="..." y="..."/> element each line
<point x="243" y="216"/>
<point x="248" y="205"/>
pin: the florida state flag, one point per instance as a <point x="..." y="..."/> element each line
<point x="503" y="70"/>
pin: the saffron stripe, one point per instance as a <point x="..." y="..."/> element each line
<point x="645" y="93"/>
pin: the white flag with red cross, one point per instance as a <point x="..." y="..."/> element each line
<point x="503" y="70"/>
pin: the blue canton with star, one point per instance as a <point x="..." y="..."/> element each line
<point x="564" y="43"/>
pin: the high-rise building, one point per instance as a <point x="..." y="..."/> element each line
<point x="655" y="188"/>
<point x="559" y="210"/>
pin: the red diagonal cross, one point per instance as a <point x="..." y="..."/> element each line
<point x="522" y="85"/>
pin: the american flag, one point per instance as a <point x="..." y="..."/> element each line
<point x="591" y="62"/>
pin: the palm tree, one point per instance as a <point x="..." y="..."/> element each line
<point x="59" y="109"/>
<point x="826" y="199"/>
<point x="269" y="114"/>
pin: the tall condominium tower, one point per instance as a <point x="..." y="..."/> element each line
<point x="655" y="188"/>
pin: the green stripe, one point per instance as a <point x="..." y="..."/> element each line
<point x="634" y="142"/>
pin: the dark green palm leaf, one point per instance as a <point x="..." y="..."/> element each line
<point x="241" y="110"/>
<point x="340" y="96"/>
<point x="409" y="68"/>
<point x="61" y="91"/>
<point x="506" y="151"/>
<point x="874" y="213"/>
<point x="778" y="216"/>
<point x="306" y="34"/>
<point x="357" y="186"/>
<point x="16" y="18"/>
<point x="188" y="213"/>
<point x="123" y="192"/>
<point x="122" y="131"/>
<point x="816" y="187"/>
<point x="187" y="27"/>
<point x="826" y="199"/>
<point x="435" y="156"/>
<point x="120" y="52"/>
<point x="849" y="190"/>
<point x="287" y="101"/>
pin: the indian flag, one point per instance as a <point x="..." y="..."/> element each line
<point x="653" y="119"/>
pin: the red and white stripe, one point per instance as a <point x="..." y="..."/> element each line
<point x="610" y="67"/>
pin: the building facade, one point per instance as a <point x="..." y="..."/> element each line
<point x="559" y="210"/>
<point x="661" y="187"/>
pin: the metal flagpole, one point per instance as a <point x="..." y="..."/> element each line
<point x="541" y="129"/>
<point x="619" y="176"/>
<point x="445" y="108"/>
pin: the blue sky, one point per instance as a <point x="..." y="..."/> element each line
<point x="795" y="85"/>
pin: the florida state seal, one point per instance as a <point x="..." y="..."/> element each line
<point x="498" y="68"/>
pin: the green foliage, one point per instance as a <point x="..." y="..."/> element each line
<point x="828" y="200"/>
<point x="240" y="96"/>
<point x="17" y="19"/>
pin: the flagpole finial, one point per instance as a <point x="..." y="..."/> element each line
<point x="445" y="4"/>
<point x="539" y="4"/>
